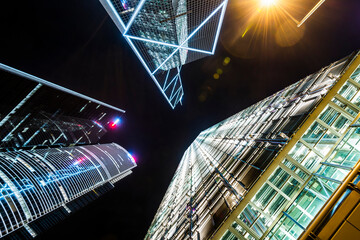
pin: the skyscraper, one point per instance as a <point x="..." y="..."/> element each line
<point x="265" y="172"/>
<point x="35" y="112"/>
<point x="42" y="186"/>
<point x="50" y="161"/>
<point x="167" y="34"/>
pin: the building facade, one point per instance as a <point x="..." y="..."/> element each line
<point x="38" y="184"/>
<point x="166" y="34"/>
<point x="266" y="172"/>
<point x="37" y="113"/>
<point x="50" y="161"/>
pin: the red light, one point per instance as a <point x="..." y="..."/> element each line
<point x="114" y="123"/>
<point x="132" y="157"/>
<point x="79" y="160"/>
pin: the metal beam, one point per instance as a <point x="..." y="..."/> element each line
<point x="280" y="157"/>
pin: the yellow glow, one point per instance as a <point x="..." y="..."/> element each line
<point x="246" y="30"/>
<point x="267" y="3"/>
<point x="226" y="61"/>
<point x="216" y="76"/>
<point x="255" y="26"/>
<point x="287" y="34"/>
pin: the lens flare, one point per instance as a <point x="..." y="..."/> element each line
<point x="267" y="3"/>
<point x="288" y="34"/>
<point x="115" y="123"/>
<point x="257" y="27"/>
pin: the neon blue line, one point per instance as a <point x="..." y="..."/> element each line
<point x="167" y="76"/>
<point x="179" y="97"/>
<point x="173" y="98"/>
<point x="172" y="91"/>
<point x="181" y="87"/>
<point x="136" y="12"/>
<point x="219" y="26"/>
<point x="116" y="13"/>
<point x="170" y="82"/>
<point x="168" y="44"/>
<point x="192" y="34"/>
<point x="176" y="93"/>
<point x="147" y="68"/>
<point x="133" y="17"/>
<point x="139" y="56"/>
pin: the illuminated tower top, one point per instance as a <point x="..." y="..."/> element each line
<point x="166" y="34"/>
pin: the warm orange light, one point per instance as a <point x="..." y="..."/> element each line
<point x="267" y="3"/>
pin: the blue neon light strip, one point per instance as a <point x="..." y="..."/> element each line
<point x="136" y="12"/>
<point x="219" y="26"/>
<point x="167" y="76"/>
<point x="124" y="4"/>
<point x="168" y="44"/>
<point x="115" y="13"/>
<point x="192" y="34"/>
<point x="177" y="93"/>
<point x="149" y="71"/>
<point x="172" y="80"/>
<point x="51" y="178"/>
<point x="172" y="91"/>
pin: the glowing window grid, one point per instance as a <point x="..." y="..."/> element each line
<point x="221" y="166"/>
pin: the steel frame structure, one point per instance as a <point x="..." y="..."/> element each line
<point x="265" y="172"/>
<point x="35" y="183"/>
<point x="73" y="119"/>
<point x="179" y="45"/>
<point x="44" y="172"/>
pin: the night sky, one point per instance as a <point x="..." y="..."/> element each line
<point x="75" y="44"/>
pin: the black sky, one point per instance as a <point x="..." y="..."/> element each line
<point x="75" y="44"/>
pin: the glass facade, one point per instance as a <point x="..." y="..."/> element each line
<point x="47" y="167"/>
<point x="265" y="172"/>
<point x="166" y="34"/>
<point x="34" y="183"/>
<point x="36" y="113"/>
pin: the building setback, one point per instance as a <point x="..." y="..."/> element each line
<point x="50" y="161"/>
<point x="266" y="172"/>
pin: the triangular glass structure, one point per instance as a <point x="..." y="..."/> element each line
<point x="166" y="34"/>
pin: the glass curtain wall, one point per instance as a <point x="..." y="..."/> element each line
<point x="35" y="183"/>
<point x="224" y="162"/>
<point x="308" y="175"/>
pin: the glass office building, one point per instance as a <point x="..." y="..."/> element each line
<point x="41" y="183"/>
<point x="50" y="161"/>
<point x="266" y="172"/>
<point x="37" y="113"/>
<point x="166" y="34"/>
